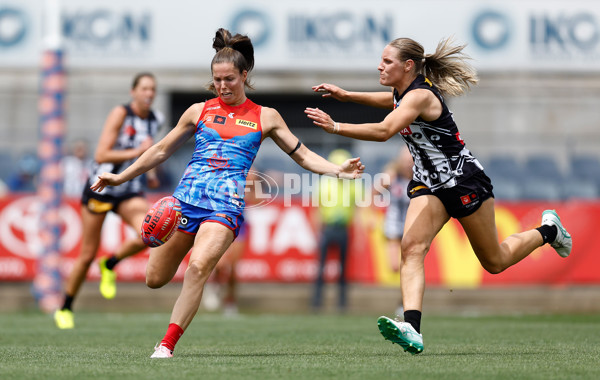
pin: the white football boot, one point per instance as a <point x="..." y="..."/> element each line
<point x="563" y="242"/>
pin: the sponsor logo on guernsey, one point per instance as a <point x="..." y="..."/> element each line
<point x="466" y="199"/>
<point x="220" y="119"/>
<point x="246" y="123"/>
<point x="406" y="131"/>
<point x="213" y="108"/>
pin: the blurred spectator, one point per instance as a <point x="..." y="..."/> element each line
<point x="336" y="209"/>
<point x="25" y="177"/>
<point x="76" y="169"/>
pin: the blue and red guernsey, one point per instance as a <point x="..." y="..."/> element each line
<point x="227" y="141"/>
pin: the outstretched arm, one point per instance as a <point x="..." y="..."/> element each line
<point x="275" y="127"/>
<point x="157" y="153"/>
<point x="382" y="99"/>
<point x="416" y="103"/>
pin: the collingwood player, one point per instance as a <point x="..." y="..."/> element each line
<point x="448" y="181"/>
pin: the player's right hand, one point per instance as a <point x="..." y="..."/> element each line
<point x="331" y="91"/>
<point x="105" y="179"/>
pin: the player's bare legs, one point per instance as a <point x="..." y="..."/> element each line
<point x="211" y="242"/>
<point x="425" y="217"/>
<point x="480" y="228"/>
<point x="90" y="241"/>
<point x="132" y="211"/>
<point x="165" y="260"/>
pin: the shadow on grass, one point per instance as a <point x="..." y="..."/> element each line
<point x="253" y="354"/>
<point x="370" y="354"/>
<point x="483" y="354"/>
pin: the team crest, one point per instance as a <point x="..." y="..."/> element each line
<point x="220" y="119"/>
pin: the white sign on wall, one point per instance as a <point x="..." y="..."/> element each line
<point x="311" y="35"/>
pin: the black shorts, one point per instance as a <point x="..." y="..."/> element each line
<point x="461" y="200"/>
<point x="101" y="203"/>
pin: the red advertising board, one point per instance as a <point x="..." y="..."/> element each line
<point x="282" y="246"/>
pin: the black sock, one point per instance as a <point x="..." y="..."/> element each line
<point x="68" y="302"/>
<point x="548" y="233"/>
<point x="414" y="318"/>
<point x="112" y="262"/>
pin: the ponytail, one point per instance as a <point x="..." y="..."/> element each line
<point x="449" y="70"/>
<point x="447" y="67"/>
<point x="236" y="49"/>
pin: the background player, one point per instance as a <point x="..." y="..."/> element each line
<point x="128" y="132"/>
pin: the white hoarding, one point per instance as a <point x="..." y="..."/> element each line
<point x="307" y="35"/>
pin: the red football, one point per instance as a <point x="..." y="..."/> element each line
<point x="161" y="221"/>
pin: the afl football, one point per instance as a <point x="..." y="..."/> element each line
<point x="161" y="221"/>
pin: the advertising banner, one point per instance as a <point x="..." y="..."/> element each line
<point x="282" y="245"/>
<point x="510" y="35"/>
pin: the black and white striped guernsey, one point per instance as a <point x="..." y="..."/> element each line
<point x="440" y="156"/>
<point x="133" y="131"/>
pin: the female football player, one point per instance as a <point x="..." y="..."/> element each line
<point x="228" y="131"/>
<point x="448" y="181"/>
<point x="128" y="132"/>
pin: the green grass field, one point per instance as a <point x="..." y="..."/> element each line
<point x="118" y="346"/>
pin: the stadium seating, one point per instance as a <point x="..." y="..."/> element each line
<point x="542" y="188"/>
<point x="585" y="167"/>
<point x="507" y="189"/>
<point x="502" y="167"/>
<point x="541" y="178"/>
<point x="577" y="188"/>
<point x="542" y="167"/>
